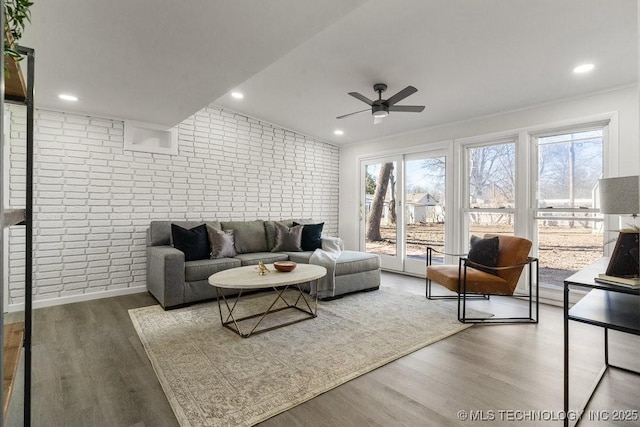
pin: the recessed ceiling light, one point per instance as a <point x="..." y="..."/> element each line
<point x="584" y="68"/>
<point x="338" y="132"/>
<point x="67" y="97"/>
<point x="237" y="95"/>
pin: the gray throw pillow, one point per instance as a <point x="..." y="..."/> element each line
<point x="222" y="243"/>
<point x="270" y="231"/>
<point x="288" y="239"/>
<point x="249" y="236"/>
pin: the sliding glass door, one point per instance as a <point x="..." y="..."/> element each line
<point x="379" y="207"/>
<point x="424" y="208"/>
<point x="403" y="209"/>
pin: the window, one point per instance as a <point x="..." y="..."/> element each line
<point x="491" y="182"/>
<point x="568" y="227"/>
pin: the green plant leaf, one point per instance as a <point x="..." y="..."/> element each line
<point x="17" y="15"/>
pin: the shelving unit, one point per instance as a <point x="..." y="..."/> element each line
<point x="19" y="90"/>
<point x="15" y="87"/>
<point x="606" y="306"/>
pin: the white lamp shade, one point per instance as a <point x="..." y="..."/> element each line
<point x="620" y="196"/>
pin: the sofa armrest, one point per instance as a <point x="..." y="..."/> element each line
<point x="165" y="275"/>
<point x="332" y="244"/>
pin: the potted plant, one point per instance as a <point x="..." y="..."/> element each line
<point x="17" y="15"/>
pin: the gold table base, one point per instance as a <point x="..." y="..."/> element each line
<point x="231" y="322"/>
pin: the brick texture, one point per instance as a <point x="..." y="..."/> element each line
<point x="93" y="200"/>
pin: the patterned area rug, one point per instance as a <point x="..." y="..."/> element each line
<point x="213" y="377"/>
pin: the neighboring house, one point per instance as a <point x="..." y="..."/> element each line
<point x="420" y="207"/>
<point x="423" y="207"/>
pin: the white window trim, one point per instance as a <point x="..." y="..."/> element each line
<point x="605" y="126"/>
<point x="523" y="217"/>
<point x="441" y="148"/>
<point x="525" y="155"/>
<point x="463" y="189"/>
<point x="524" y="224"/>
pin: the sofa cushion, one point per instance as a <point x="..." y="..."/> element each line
<point x="194" y="242"/>
<point x="270" y="230"/>
<point x="288" y="239"/>
<point x="159" y="232"/>
<point x="202" y="269"/>
<point x="256" y="257"/>
<point x="222" y="243"/>
<point x="249" y="235"/>
<point x="311" y="236"/>
<point x="350" y="262"/>
<point x="299" y="257"/>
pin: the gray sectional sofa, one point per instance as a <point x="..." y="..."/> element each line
<point x="175" y="282"/>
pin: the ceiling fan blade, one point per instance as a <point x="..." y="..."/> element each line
<point x="409" y="90"/>
<point x="407" y="108"/>
<point x="351" y="114"/>
<point x="361" y="98"/>
<point x="377" y="120"/>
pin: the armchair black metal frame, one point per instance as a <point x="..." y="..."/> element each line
<point x="463" y="263"/>
<point x="462" y="295"/>
<point x="429" y="293"/>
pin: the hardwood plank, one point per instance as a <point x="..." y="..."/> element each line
<point x="91" y="369"/>
<point x="13" y="336"/>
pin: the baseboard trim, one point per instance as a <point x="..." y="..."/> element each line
<point x="78" y="298"/>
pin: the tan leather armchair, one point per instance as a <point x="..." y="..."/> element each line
<point x="469" y="280"/>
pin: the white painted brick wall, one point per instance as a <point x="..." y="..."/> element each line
<point x="93" y="200"/>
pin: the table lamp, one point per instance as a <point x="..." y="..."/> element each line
<point x="621" y="196"/>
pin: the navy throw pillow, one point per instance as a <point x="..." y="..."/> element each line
<point x="194" y="243"/>
<point x="311" y="236"/>
<point x="485" y="252"/>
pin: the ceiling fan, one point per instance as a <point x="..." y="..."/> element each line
<point x="380" y="108"/>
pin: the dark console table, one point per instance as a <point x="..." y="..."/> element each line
<point x="607" y="306"/>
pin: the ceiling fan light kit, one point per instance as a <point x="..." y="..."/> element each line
<point x="380" y="108"/>
<point x="379" y="111"/>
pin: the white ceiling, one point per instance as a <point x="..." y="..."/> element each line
<point x="160" y="61"/>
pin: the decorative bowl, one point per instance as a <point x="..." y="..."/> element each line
<point x="284" y="266"/>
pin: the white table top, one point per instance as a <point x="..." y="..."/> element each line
<point x="248" y="278"/>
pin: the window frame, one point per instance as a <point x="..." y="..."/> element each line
<point x="560" y="214"/>
<point x="465" y="204"/>
<point x="526" y="170"/>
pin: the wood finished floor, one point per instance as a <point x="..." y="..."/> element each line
<point x="90" y="369"/>
<point x="13" y="334"/>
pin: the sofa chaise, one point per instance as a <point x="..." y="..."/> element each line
<point x="174" y="282"/>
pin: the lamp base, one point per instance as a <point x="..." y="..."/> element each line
<point x="625" y="258"/>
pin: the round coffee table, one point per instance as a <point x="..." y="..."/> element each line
<point x="247" y="278"/>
